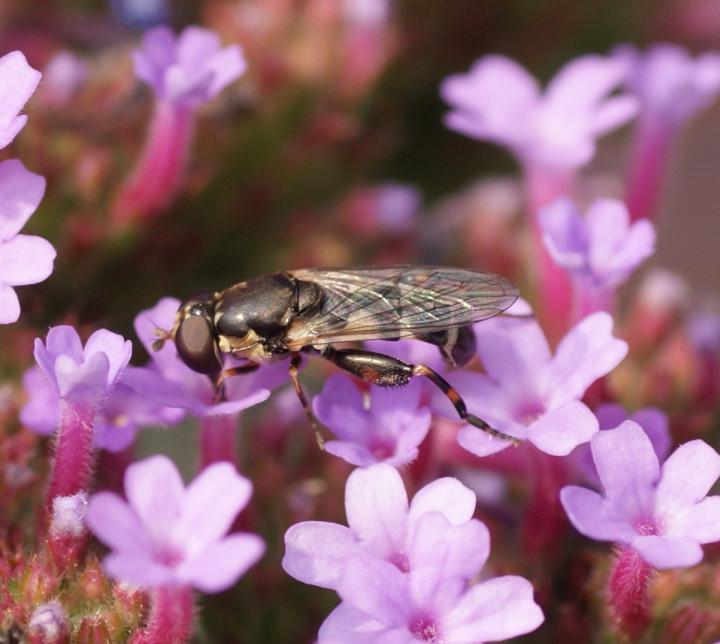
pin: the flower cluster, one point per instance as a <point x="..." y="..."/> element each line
<point x="582" y="412"/>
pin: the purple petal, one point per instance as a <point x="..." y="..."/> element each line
<point x="41" y="412"/>
<point x="20" y="194"/>
<point x="113" y="522"/>
<point x="594" y="516"/>
<point x="18" y="81"/>
<point x="347" y="625"/>
<point x="587" y="352"/>
<point x="481" y="443"/>
<point x="316" y="552"/>
<point x="667" y="552"/>
<point x="440" y="549"/>
<point x="222" y="563"/>
<point x="143" y="572"/>
<point x="376" y="588"/>
<point x="687" y="475"/>
<point x="564" y="234"/>
<point x="560" y="431"/>
<point x="447" y="496"/>
<point x="117" y="349"/>
<point x="494" y="610"/>
<point x="357" y="455"/>
<point x="510" y="349"/>
<point x="340" y="407"/>
<point x="212" y="501"/>
<point x="492" y="101"/>
<point x="156" y="492"/>
<point x="86" y="379"/>
<point x="701" y="521"/>
<point x="376" y="505"/>
<point x="26" y="259"/>
<point x="626" y="463"/>
<point x="9" y="305"/>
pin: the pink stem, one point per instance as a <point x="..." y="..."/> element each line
<point x="170" y="619"/>
<point x="647" y="170"/>
<point x="218" y="439"/>
<point x="152" y="186"/>
<point x="74" y="457"/>
<point x="628" y="593"/>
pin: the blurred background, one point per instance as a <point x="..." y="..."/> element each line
<point x="289" y="159"/>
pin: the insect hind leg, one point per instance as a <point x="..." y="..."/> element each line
<point x="386" y="371"/>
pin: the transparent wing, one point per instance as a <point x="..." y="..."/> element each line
<point x="395" y="302"/>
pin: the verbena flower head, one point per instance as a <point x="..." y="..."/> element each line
<point x="499" y="101"/>
<point x="388" y="430"/>
<point x="167" y="534"/>
<point x="88" y="372"/>
<point x="663" y="512"/>
<point x="168" y="381"/>
<point x="24" y="259"/>
<point x="671" y="84"/>
<point x="17" y="83"/>
<point x="189" y="69"/>
<point x="530" y="393"/>
<point x="402" y="569"/>
<point x="600" y="249"/>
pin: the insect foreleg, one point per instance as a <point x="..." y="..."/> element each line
<point x="219" y="380"/>
<point x="386" y="371"/>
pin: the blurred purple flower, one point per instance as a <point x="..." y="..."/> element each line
<point x="17" y="83"/>
<point x="25" y="259"/>
<point x="170" y="535"/>
<point x="88" y="372"/>
<point x="388" y="431"/>
<point x="602" y="248"/>
<point x="499" y="101"/>
<point x="168" y="381"/>
<point x="141" y="13"/>
<point x="63" y="76"/>
<point x="402" y="570"/>
<point x="672" y="85"/>
<point x="662" y="512"/>
<point x="529" y="393"/>
<point x="189" y="69"/>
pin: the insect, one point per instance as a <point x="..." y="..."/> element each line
<point x="289" y="313"/>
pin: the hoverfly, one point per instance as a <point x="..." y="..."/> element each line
<point x="285" y="314"/>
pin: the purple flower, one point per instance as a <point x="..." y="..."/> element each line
<point x="188" y="69"/>
<point x="662" y="512"/>
<point x="671" y="85"/>
<point x="402" y="570"/>
<point x="168" y="381"/>
<point x="388" y="430"/>
<point x="25" y="259"/>
<point x="529" y="393"/>
<point x="88" y="372"/>
<point x="499" y="101"/>
<point x="120" y="414"/>
<point x="17" y="83"/>
<point x="601" y="249"/>
<point x="170" y="535"/>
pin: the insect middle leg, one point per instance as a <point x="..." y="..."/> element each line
<point x="386" y="371"/>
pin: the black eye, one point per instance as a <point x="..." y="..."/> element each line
<point x="196" y="344"/>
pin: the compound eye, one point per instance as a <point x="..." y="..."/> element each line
<point x="196" y="345"/>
